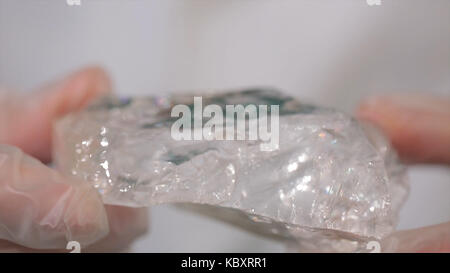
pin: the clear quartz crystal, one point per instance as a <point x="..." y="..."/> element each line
<point x="330" y="186"/>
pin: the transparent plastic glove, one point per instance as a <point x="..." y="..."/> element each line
<point x="419" y="127"/>
<point x="39" y="208"/>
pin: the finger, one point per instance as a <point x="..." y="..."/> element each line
<point x="428" y="239"/>
<point x="41" y="209"/>
<point x="418" y="125"/>
<point x="126" y="225"/>
<point x="26" y="122"/>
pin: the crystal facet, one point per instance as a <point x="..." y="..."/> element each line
<point x="330" y="182"/>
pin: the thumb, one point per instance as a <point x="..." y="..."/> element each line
<point x="418" y="125"/>
<point x="39" y="208"/>
<point x="26" y="122"/>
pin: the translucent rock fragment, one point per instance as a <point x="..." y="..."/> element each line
<point x="330" y="184"/>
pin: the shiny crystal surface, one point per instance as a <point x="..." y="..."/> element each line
<point x="331" y="184"/>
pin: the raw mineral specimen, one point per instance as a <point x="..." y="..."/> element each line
<point x="330" y="185"/>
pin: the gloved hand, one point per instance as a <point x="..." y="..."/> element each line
<point x="40" y="208"/>
<point x="419" y="128"/>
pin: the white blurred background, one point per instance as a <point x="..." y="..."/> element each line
<point x="331" y="52"/>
